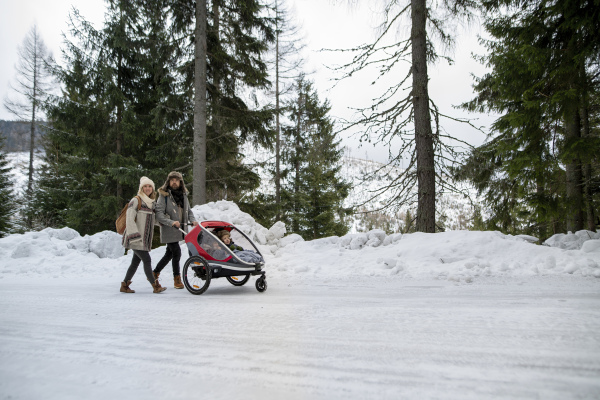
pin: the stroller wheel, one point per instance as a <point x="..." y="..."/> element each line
<point x="196" y="275"/>
<point x="238" y="280"/>
<point x="261" y="284"/>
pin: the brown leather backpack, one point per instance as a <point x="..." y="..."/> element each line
<point x="121" y="221"/>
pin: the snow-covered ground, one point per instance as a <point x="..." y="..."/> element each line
<point x="454" y="315"/>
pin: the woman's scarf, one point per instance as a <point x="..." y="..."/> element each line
<point x="149" y="202"/>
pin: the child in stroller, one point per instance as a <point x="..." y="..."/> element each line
<point x="225" y="237"/>
<point x="244" y="255"/>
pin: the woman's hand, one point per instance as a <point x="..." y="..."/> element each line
<point x="176" y="224"/>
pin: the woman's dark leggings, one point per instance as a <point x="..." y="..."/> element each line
<point x="173" y="252"/>
<point x="140" y="255"/>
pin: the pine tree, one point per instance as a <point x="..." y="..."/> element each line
<point x="8" y="205"/>
<point x="314" y="192"/>
<point x="237" y="68"/>
<point x="116" y="118"/>
<point x="128" y="107"/>
<point x="32" y="86"/>
<point x="293" y="199"/>
<point x="538" y="84"/>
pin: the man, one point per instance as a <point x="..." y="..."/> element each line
<point x="172" y="213"/>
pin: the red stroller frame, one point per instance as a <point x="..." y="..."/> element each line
<point x="210" y="258"/>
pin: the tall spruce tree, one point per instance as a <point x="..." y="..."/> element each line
<point x="542" y="56"/>
<point x="313" y="191"/>
<point x="114" y="121"/>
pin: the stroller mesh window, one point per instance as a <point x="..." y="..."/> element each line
<point x="240" y="240"/>
<point x="214" y="247"/>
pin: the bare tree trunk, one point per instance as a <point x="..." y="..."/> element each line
<point x="587" y="168"/>
<point x="277" y="126"/>
<point x="574" y="186"/>
<point x="199" y="162"/>
<point x="119" y="143"/>
<point x="215" y="108"/>
<point x="216" y="101"/>
<point x="31" y="147"/>
<point x="574" y="189"/>
<point x="296" y="222"/>
<point x="33" y="109"/>
<point x="119" y="149"/>
<point x="541" y="212"/>
<point x="423" y="133"/>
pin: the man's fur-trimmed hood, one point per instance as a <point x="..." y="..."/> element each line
<point x="164" y="189"/>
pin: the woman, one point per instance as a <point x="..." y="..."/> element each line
<point x="138" y="234"/>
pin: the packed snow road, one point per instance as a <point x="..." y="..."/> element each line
<point x="367" y="338"/>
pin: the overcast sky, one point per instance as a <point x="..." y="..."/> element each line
<point x="325" y="25"/>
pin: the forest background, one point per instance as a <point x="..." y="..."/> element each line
<point x="516" y="209"/>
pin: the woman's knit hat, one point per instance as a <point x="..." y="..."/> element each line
<point x="144" y="180"/>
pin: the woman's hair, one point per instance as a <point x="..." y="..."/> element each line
<point x="153" y="195"/>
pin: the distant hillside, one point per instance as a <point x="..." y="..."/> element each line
<point x="454" y="210"/>
<point x="17" y="135"/>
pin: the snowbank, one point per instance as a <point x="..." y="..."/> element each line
<point x="460" y="256"/>
<point x="63" y="242"/>
<point x="571" y="241"/>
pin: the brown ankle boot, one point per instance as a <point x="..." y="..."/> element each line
<point x="177" y="282"/>
<point x="125" y="287"/>
<point x="158" y="288"/>
<point x="156" y="275"/>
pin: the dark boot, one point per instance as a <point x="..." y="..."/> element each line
<point x="158" y="288"/>
<point x="177" y="282"/>
<point x="125" y="287"/>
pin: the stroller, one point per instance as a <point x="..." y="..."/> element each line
<point x="211" y="258"/>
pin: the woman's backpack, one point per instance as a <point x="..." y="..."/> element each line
<point x="121" y="221"/>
